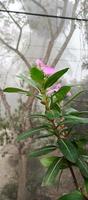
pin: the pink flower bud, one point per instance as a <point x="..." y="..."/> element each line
<point x="53" y="89"/>
<point x="45" y="68"/>
<point x="40" y="63"/>
<point x="48" y="70"/>
<point x="69" y="94"/>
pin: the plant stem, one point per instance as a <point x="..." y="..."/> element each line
<point x="54" y="128"/>
<point x="74" y="178"/>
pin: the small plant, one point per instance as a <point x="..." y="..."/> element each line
<point x="58" y="121"/>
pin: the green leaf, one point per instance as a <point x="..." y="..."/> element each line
<point x="52" y="114"/>
<point x="45" y="136"/>
<point x="30" y="132"/>
<point x="75" y="120"/>
<point x="38" y="97"/>
<point x="46" y="162"/>
<point x="79" y="113"/>
<point x="54" y="106"/>
<point x="72" y="111"/>
<point x="52" y="79"/>
<point x="28" y="80"/>
<point x="37" y="115"/>
<point x="61" y="94"/>
<point x="42" y="151"/>
<point x="76" y="195"/>
<point x="52" y="172"/>
<point x="15" y="90"/>
<point x="83" y="166"/>
<point x="37" y="75"/>
<point x="68" y="150"/>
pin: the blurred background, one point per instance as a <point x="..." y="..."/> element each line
<point x="23" y="39"/>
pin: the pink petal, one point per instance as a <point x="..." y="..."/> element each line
<point x="40" y="63"/>
<point x="54" y="88"/>
<point x="48" y="70"/>
<point x="58" y="86"/>
<point x="69" y="94"/>
<point x="50" y="92"/>
<point x="45" y="68"/>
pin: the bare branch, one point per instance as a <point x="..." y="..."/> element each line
<point x="5" y="103"/>
<point x="52" y="40"/>
<point x="63" y="47"/>
<point x="45" y="11"/>
<point x="10" y="15"/>
<point x="7" y="110"/>
<point x="20" y="28"/>
<point x="19" y="39"/>
<point x="17" y="52"/>
<point x="23" y="58"/>
<point x="26" y="109"/>
<point x="72" y="28"/>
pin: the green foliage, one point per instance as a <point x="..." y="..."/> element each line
<point x="76" y="195"/>
<point x="76" y="120"/>
<point x="52" y="114"/>
<point x="47" y="161"/>
<point x="57" y="122"/>
<point x="37" y="75"/>
<point x="15" y="90"/>
<point x="52" y="171"/>
<point x="52" y="79"/>
<point x="68" y="150"/>
<point x="30" y="132"/>
<point x="42" y="151"/>
<point x="83" y="166"/>
<point x="61" y="94"/>
<point x="74" y="112"/>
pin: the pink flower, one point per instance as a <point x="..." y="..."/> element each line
<point x="48" y="70"/>
<point x="53" y="89"/>
<point x="58" y="86"/>
<point x="45" y="68"/>
<point x="50" y="92"/>
<point x="69" y="94"/>
<point x="40" y="63"/>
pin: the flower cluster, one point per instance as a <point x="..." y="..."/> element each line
<point x="45" y="68"/>
<point x="48" y="71"/>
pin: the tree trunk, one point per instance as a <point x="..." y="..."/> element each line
<point x="22" y="178"/>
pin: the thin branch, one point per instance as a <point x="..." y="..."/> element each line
<point x="10" y="15"/>
<point x="6" y="76"/>
<point x="72" y="29"/>
<point x="20" y="28"/>
<point x="53" y="38"/>
<point x="74" y="178"/>
<point x="23" y="58"/>
<point x="17" y="52"/>
<point x="57" y="58"/>
<point x="45" y="11"/>
<point x="5" y="103"/>
<point x="7" y="111"/>
<point x="19" y="39"/>
<point x="27" y="108"/>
